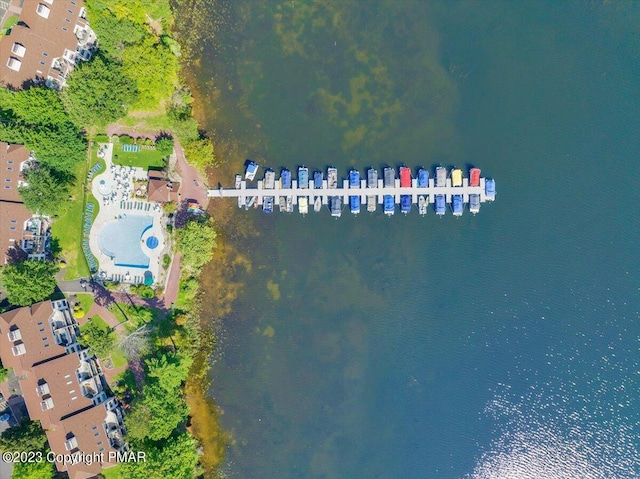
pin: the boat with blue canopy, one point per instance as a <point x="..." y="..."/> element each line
<point x="389" y="205"/>
<point x="303" y="177"/>
<point x="456" y="205"/>
<point x="285" y="177"/>
<point x="440" y="205"/>
<point x="490" y="189"/>
<point x="423" y="178"/>
<point x="405" y="204"/>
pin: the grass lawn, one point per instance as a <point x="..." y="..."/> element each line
<point x="118" y="357"/>
<point x="136" y="315"/>
<point x="67" y="227"/>
<point x="143" y="159"/>
<point x="112" y="472"/>
<point x="96" y="320"/>
<point x="86" y="301"/>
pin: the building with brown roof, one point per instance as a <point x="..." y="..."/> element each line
<point x="161" y="189"/>
<point x="63" y="385"/>
<point x="51" y="37"/>
<point x="22" y="234"/>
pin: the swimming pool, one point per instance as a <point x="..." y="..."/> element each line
<point x="121" y="240"/>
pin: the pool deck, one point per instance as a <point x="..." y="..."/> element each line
<point x="119" y="207"/>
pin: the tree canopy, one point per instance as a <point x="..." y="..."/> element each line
<point x="29" y="281"/>
<point x="33" y="470"/>
<point x="98" y="92"/>
<point x="199" y="153"/>
<point x="45" y="192"/>
<point x="174" y="458"/>
<point x="27" y="436"/>
<point x="152" y="65"/>
<point x="196" y="242"/>
<point x="36" y="118"/>
<point x="98" y="339"/>
<point x="157" y="413"/>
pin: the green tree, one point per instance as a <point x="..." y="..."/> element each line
<point x="29" y="282"/>
<point x="196" y="242"/>
<point x="59" y="148"/>
<point x="33" y="470"/>
<point x="164" y="146"/>
<point x="169" y="370"/>
<point x="26" y="436"/>
<point x="199" y="153"/>
<point x="100" y="340"/>
<point x="153" y="67"/>
<point x="175" y="458"/>
<point x="35" y="106"/>
<point x="157" y="414"/>
<point x="45" y="192"/>
<point x="114" y="34"/>
<point x="98" y="92"/>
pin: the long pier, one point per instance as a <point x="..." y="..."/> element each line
<point x="256" y="195"/>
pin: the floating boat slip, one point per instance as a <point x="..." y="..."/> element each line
<point x="389" y="177"/>
<point x="238" y="181"/>
<point x="422" y="205"/>
<point x="490" y="189"/>
<point x="457" y="205"/>
<point x="456" y="177"/>
<point x="405" y="204"/>
<point x="285" y="177"/>
<point x="335" y="192"/>
<point x="474" y="177"/>
<point x="372" y="182"/>
<point x="303" y="177"/>
<point x="335" y="206"/>
<point x="303" y="205"/>
<point x="440" y="205"/>
<point x="354" y="183"/>
<point x="389" y="205"/>
<point x="269" y="180"/>
<point x="267" y="205"/>
<point x="423" y="178"/>
<point x="474" y="203"/>
<point x="441" y="176"/>
<point x="251" y="171"/>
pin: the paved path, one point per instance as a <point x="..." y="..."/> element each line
<point x="193" y="186"/>
<point x="172" y="283"/>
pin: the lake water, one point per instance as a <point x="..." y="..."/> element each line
<point x="500" y="346"/>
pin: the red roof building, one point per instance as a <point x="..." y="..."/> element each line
<point x="51" y="37"/>
<point x="62" y="385"/>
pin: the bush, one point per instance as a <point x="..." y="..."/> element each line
<point x="78" y="312"/>
<point x="143" y="291"/>
<point x="111" y="285"/>
<point x="126" y="140"/>
<point x="147" y="142"/>
<point x="102" y="138"/>
<point x="166" y="261"/>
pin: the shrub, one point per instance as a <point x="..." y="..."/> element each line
<point x="126" y="140"/>
<point x="102" y="138"/>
